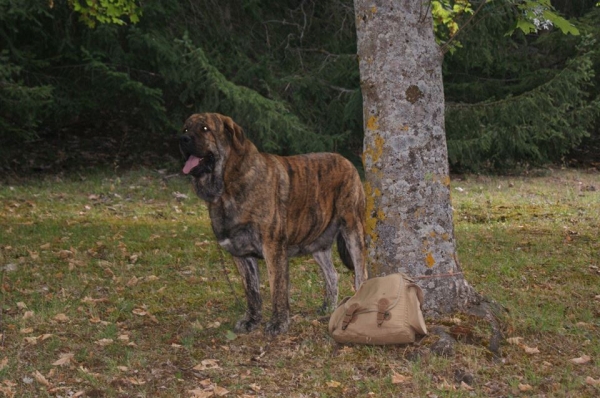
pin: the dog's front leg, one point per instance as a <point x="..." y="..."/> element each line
<point x="248" y="269"/>
<point x="277" y="267"/>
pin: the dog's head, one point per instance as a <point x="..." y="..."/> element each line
<point x="207" y="142"/>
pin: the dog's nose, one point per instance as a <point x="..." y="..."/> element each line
<point x="185" y="140"/>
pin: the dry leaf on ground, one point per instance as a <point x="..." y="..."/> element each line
<point x="199" y="393"/>
<point x="582" y="360"/>
<point x="220" y="391"/>
<point x="591" y="381"/>
<point x="525" y="387"/>
<point x="64" y="359"/>
<point x="397" y="378"/>
<point x="104" y="342"/>
<point x="61" y="318"/>
<point x="254" y="387"/>
<point x="207" y="364"/>
<point x="41" y="379"/>
<point x="530" y="350"/>
<point x="465" y="386"/>
<point x="333" y="384"/>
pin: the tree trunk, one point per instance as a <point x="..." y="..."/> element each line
<point x="409" y="214"/>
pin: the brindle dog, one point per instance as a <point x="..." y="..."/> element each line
<point x="271" y="207"/>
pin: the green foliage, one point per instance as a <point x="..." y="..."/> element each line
<point x="92" y="12"/>
<point x="539" y="125"/>
<point x="519" y="99"/>
<point x="21" y="107"/>
<point x="445" y="16"/>
<point x="540" y="14"/>
<point x="287" y="72"/>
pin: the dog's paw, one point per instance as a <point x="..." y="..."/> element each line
<point x="275" y="327"/>
<point x="246" y="325"/>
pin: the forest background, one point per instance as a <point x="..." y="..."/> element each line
<point x="76" y="92"/>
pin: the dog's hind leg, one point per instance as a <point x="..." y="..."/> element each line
<point x="248" y="269"/>
<point x="353" y="243"/>
<point x="323" y="258"/>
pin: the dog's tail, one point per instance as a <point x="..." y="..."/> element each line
<point x="344" y="253"/>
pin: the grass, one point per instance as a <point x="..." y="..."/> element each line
<point x="113" y="286"/>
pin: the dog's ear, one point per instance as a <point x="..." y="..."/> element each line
<point x="236" y="133"/>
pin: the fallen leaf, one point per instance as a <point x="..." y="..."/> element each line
<point x="45" y="336"/>
<point x="139" y="312"/>
<point x="525" y="387"/>
<point x="41" y="379"/>
<point x="123" y="368"/>
<point x="61" y="318"/>
<point x="582" y="360"/>
<point x="256" y="388"/>
<point x="465" y="386"/>
<point x="397" y="378"/>
<point x="21" y="305"/>
<point x="199" y="393"/>
<point x="333" y="384"/>
<point x="207" y="364"/>
<point x="446" y="386"/>
<point x="514" y="340"/>
<point x="206" y="383"/>
<point x="151" y="278"/>
<point x="31" y="340"/>
<point x="64" y="359"/>
<point x="3" y="363"/>
<point x="220" y="391"/>
<point x="26" y="330"/>
<point x="123" y="337"/>
<point x="104" y="342"/>
<point x="133" y="281"/>
<point x="591" y="381"/>
<point x="530" y="350"/>
<point x="135" y="381"/>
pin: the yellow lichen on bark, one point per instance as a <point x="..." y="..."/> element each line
<point x="430" y="260"/>
<point x="372" y="216"/>
<point x="375" y="151"/>
<point x="372" y="123"/>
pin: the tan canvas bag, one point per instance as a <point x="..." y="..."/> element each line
<point x="384" y="310"/>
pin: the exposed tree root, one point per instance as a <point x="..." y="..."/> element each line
<point x="481" y="308"/>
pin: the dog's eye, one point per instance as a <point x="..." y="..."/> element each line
<point x="204" y="128"/>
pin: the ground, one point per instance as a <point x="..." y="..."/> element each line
<point x="113" y="286"/>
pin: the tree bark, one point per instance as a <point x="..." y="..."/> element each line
<point x="409" y="213"/>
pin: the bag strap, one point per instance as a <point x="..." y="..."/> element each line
<point x="382" y="311"/>
<point x="419" y="293"/>
<point x="349" y="314"/>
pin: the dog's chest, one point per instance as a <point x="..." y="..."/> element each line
<point x="241" y="239"/>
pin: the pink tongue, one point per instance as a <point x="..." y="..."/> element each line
<point x="192" y="162"/>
